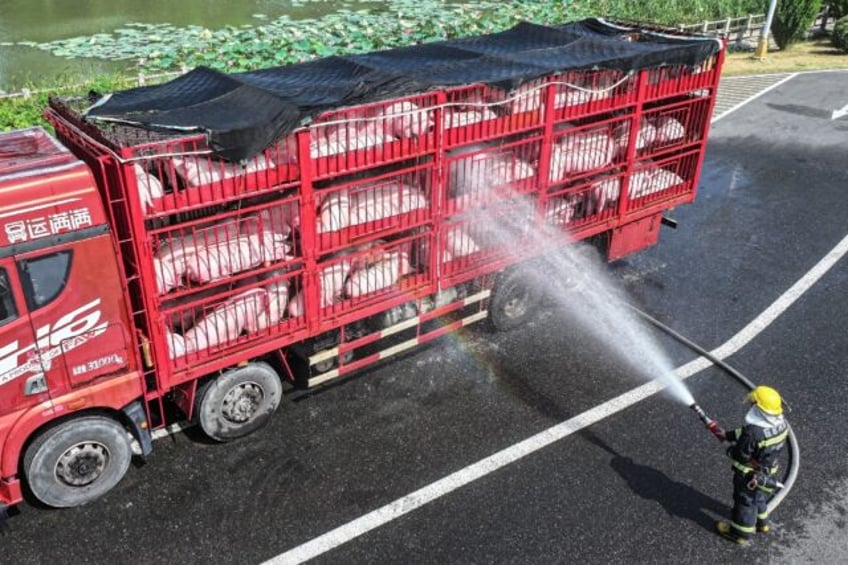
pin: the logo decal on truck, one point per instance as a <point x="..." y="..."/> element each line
<point x="34" y="228"/>
<point x="69" y="332"/>
<point x="97" y="364"/>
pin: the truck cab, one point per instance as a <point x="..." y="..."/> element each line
<point x="64" y="331"/>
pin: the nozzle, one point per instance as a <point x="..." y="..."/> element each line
<point x="701" y="414"/>
<point x="710" y="424"/>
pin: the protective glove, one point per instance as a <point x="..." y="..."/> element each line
<point x="717" y="431"/>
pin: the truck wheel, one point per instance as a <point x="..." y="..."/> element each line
<point x="332" y="362"/>
<point x="516" y="297"/>
<point x="77" y="461"/>
<point x="239" y="401"/>
<point x="576" y="267"/>
<point x="325" y="365"/>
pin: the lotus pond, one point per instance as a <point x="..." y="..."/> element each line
<point x="50" y="42"/>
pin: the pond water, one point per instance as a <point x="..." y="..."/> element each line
<point x="47" y="20"/>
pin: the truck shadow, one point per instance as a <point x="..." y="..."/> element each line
<point x="676" y="498"/>
<point x="801" y="110"/>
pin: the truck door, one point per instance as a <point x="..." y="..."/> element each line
<point x="21" y="379"/>
<point x="72" y="295"/>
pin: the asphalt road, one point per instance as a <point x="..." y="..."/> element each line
<point x="642" y="485"/>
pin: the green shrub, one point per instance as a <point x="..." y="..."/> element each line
<point x="673" y="12"/>
<point x="839" y="37"/>
<point x="792" y="19"/>
<point x="837" y="8"/>
<point x="22" y="112"/>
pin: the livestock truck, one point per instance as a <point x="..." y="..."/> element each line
<point x="194" y="251"/>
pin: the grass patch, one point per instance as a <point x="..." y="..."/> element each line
<point x="818" y="54"/>
<point x="20" y="112"/>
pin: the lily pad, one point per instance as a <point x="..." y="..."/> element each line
<point x="283" y="39"/>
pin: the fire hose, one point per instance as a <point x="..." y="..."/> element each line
<point x="793" y="452"/>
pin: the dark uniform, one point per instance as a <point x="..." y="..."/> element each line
<point x="754" y="453"/>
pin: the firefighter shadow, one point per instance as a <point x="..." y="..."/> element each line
<point x="676" y="498"/>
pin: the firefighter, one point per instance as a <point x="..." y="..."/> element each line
<point x="753" y="452"/>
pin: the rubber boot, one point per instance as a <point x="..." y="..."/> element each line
<point x="726" y="531"/>
<point x="764" y="526"/>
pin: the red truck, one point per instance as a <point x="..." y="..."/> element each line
<point x="193" y="251"/>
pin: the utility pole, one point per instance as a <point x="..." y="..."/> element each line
<point x="762" y="43"/>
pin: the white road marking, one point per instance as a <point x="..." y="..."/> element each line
<point x="839" y="113"/>
<point x="462" y="477"/>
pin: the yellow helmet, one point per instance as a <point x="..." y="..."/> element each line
<point x="767" y="399"/>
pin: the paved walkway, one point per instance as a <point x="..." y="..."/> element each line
<point x="732" y="91"/>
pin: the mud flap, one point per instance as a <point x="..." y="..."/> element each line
<point x="141" y="431"/>
<point x="634" y="236"/>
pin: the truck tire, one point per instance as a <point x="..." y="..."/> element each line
<point x="332" y="362"/>
<point x="576" y="266"/>
<point x="77" y="461"/>
<point x="516" y="297"/>
<point x="238" y="402"/>
<point x="325" y="365"/>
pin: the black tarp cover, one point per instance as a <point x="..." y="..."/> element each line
<point x="243" y="113"/>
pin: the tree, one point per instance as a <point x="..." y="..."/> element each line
<point x="792" y="19"/>
<point x="837" y="8"/>
<point x="839" y="37"/>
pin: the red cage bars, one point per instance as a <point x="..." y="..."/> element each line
<point x="578" y="94"/>
<point x="480" y="113"/>
<point x="481" y="173"/>
<point x="181" y="174"/>
<point x="375" y="206"/>
<point x="580" y="150"/>
<point x="674" y="80"/>
<point x="353" y="139"/>
<point x="653" y="181"/>
<point x="368" y="278"/>
<point x="587" y="202"/>
<point x="212" y="324"/>
<point x="380" y="206"/>
<point x="674" y="124"/>
<point x="486" y="239"/>
<point x="201" y="252"/>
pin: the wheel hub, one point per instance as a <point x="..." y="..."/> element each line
<point x="241" y="402"/>
<point x="516" y="306"/>
<point x="82" y="464"/>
